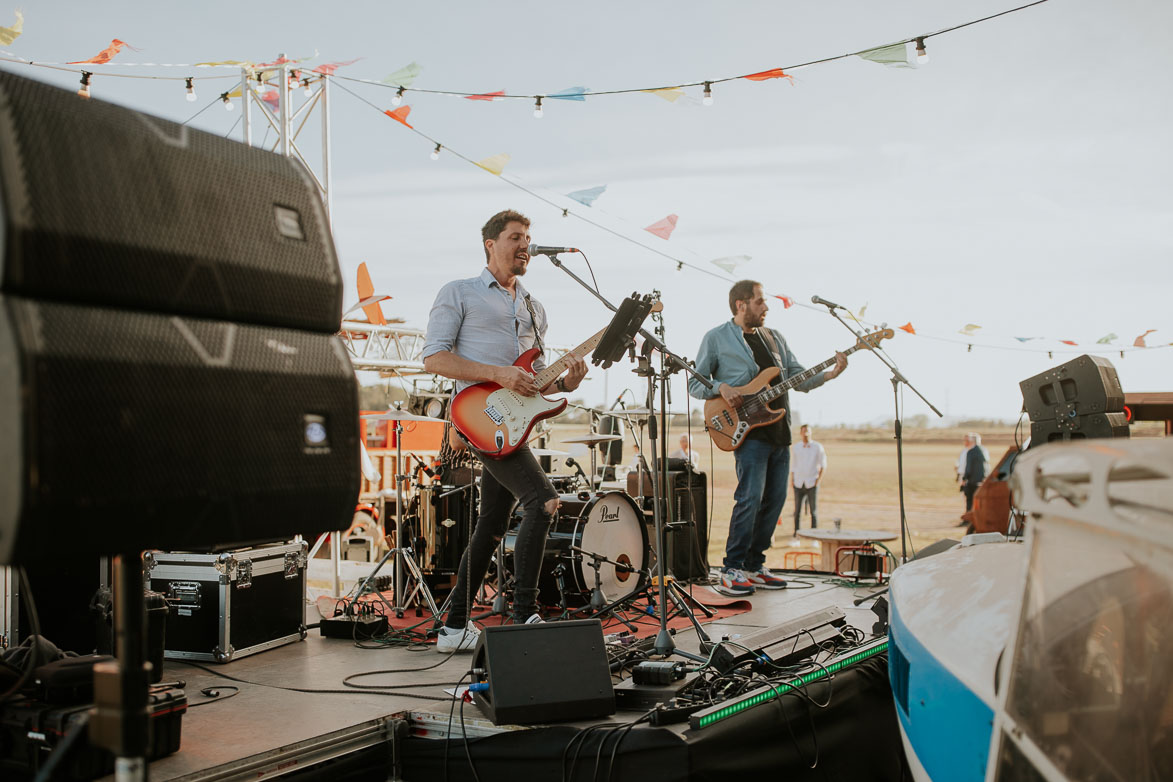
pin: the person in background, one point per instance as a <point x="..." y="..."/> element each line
<point x="685" y="451"/>
<point x="977" y="462"/>
<point x="959" y="468"/>
<point x="807" y="462"/>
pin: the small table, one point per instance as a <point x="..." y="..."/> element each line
<point x="832" y="540"/>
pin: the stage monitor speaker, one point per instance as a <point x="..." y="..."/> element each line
<point x="1084" y="385"/>
<point x="544" y="672"/>
<point x="1080" y="427"/>
<point x="688" y="544"/>
<point x="106" y="206"/>
<point x="169" y="373"/>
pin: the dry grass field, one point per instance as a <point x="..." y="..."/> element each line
<point x="860" y="485"/>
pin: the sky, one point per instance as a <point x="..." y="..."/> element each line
<point x="1019" y="180"/>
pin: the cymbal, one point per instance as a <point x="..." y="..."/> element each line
<point x="398" y="415"/>
<point x="548" y="452"/>
<point x="591" y="439"/>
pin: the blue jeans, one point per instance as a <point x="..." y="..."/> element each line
<point x="763" y="475"/>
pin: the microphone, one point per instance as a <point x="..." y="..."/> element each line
<point x="571" y="463"/>
<point x="428" y="471"/>
<point x="825" y="303"/>
<point x="537" y="249"/>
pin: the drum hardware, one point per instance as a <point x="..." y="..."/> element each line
<point x="598" y="602"/>
<point x="404" y="559"/>
<point x="592" y="441"/>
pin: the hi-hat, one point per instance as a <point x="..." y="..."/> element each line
<point x="591" y="439"/>
<point x="398" y="415"/>
<point x="548" y="452"/>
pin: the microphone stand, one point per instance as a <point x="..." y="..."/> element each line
<point x="897" y="378"/>
<point x="669" y="363"/>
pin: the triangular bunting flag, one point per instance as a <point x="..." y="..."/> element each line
<point x="10" y="34"/>
<point x="1139" y="341"/>
<point x="272" y="100"/>
<point x="730" y="263"/>
<point x="894" y="56"/>
<point x="399" y="114"/>
<point x="969" y="329"/>
<point x="328" y="68"/>
<point x="486" y="95"/>
<point x="570" y="93"/>
<point x="663" y="228"/>
<point x="1026" y="339"/>
<point x="404" y="76"/>
<point x="787" y="302"/>
<point x="907" y="327"/>
<point x="773" y="73"/>
<point x="495" y="164"/>
<point x="104" y="56"/>
<point x="588" y="196"/>
<point x="862" y="311"/>
<point x="222" y="62"/>
<point x="1069" y="342"/>
<point x="1106" y="339"/>
<point x="670" y="94"/>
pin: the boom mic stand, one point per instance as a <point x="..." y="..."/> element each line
<point x="897" y="378"/>
<point x="618" y="339"/>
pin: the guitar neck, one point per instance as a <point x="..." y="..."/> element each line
<point x="551" y="373"/>
<point x="770" y="393"/>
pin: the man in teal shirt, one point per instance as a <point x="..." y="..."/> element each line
<point x="732" y="355"/>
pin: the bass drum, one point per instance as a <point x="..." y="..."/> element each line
<point x="606" y="523"/>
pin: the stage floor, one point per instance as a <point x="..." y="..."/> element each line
<point x="292" y="710"/>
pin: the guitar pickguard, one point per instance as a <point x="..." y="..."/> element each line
<point x="515" y="413"/>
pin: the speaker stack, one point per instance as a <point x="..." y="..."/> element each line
<point x="169" y="371"/>
<point x="1074" y="401"/>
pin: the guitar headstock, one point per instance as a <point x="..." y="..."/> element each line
<point x="871" y="341"/>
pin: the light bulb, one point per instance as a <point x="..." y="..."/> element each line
<point x="436" y="153"/>
<point x="227" y="102"/>
<point x="708" y="99"/>
<point x="922" y="56"/>
<point x="398" y="97"/>
<point x="306" y="83"/>
<point x="538" y="113"/>
<point x="84" y="90"/>
<point x="191" y="96"/>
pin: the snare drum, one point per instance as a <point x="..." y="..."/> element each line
<point x="605" y="523"/>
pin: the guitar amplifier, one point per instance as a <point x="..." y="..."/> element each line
<point x="686" y="555"/>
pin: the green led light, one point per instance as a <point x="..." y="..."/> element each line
<point x="704" y="720"/>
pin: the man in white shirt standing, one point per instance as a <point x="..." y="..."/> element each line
<point x="807" y="464"/>
<point x="685" y="451"/>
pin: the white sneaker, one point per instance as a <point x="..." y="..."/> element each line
<point x="535" y="619"/>
<point x="453" y="639"/>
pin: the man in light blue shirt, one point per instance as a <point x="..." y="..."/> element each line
<point x="477" y="328"/>
<point x="732" y="355"/>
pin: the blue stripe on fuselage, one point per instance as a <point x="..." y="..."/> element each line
<point x="947" y="724"/>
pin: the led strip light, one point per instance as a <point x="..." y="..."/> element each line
<point x="715" y="714"/>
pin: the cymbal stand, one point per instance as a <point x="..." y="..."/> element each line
<point x="403" y="555"/>
<point x="664" y="644"/>
<point x="598" y="606"/>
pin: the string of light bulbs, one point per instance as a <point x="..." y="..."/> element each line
<point x="969" y="343"/>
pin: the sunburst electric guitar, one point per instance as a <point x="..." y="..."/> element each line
<point x="729" y="425"/>
<point x="497" y="421"/>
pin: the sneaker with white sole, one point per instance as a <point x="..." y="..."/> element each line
<point x="535" y="619"/>
<point x="764" y="579"/>
<point x="455" y="639"/>
<point x="734" y="582"/>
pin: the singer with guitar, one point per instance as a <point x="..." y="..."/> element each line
<point x="477" y="329"/>
<point x="732" y="356"/>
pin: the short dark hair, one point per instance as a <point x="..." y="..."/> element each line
<point x="741" y="291"/>
<point x="497" y="223"/>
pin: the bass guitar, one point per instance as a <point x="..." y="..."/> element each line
<point x="728" y="425"/>
<point x="497" y="421"/>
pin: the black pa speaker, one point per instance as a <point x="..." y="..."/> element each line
<point x="169" y="374"/>
<point x="611" y="452"/>
<point x="688" y="543"/>
<point x="544" y="672"/>
<point x="1080" y="427"/>
<point x="1082" y="386"/>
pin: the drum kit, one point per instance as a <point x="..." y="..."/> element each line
<point x="597" y="551"/>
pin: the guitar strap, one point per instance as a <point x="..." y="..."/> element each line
<point x="533" y="317"/>
<point x="768" y="338"/>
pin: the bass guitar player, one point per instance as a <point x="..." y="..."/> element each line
<point x="731" y="356"/>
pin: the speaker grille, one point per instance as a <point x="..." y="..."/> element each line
<point x="158" y="431"/>
<point x="109" y="206"/>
